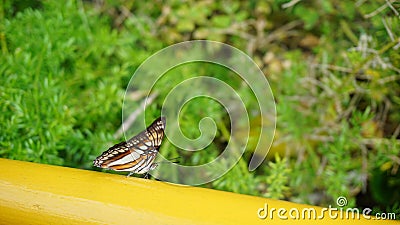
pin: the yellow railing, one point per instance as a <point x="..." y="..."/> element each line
<point x="33" y="193"/>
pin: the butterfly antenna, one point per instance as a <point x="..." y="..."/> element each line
<point x="173" y="160"/>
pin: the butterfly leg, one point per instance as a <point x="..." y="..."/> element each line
<point x="130" y="173"/>
<point x="152" y="167"/>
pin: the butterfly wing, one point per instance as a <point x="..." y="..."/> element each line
<point x="137" y="154"/>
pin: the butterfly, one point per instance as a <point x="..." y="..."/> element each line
<point x="136" y="155"/>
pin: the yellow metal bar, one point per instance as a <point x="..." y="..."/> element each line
<point x="43" y="194"/>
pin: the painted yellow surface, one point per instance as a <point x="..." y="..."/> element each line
<point x="33" y="193"/>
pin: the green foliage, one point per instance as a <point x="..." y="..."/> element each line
<point x="333" y="67"/>
<point x="58" y="86"/>
<point x="277" y="178"/>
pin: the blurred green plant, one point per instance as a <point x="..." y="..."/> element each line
<point x="277" y="178"/>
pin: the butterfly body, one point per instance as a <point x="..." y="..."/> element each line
<point x="136" y="155"/>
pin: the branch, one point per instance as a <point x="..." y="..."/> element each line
<point x="133" y="116"/>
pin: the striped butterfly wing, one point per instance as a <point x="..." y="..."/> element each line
<point x="136" y="155"/>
